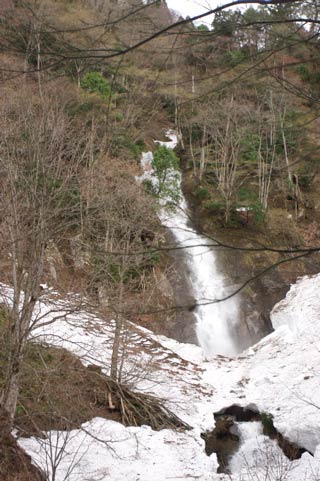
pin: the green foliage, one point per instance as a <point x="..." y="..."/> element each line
<point x="250" y="147"/>
<point x="203" y="28"/>
<point x="259" y="214"/>
<point x="123" y="142"/>
<point x="311" y="76"/>
<point x="65" y="197"/>
<point x="19" y="410"/>
<point x="202" y="193"/>
<point x="164" y="159"/>
<point x="108" y="267"/>
<point x="235" y="57"/>
<point x="267" y="422"/>
<point x="3" y="316"/>
<point x="305" y="176"/>
<point x="252" y="15"/>
<point x="215" y="207"/>
<point x="105" y="267"/>
<point x="224" y="23"/>
<point x="246" y="195"/>
<point x="153" y="258"/>
<point x="82" y="108"/>
<point x="139" y="146"/>
<point x="305" y="181"/>
<point x="166" y="166"/>
<point x="120" y="89"/>
<point x="292" y="130"/>
<point x="304" y="72"/>
<point x="119" y="116"/>
<point x="94" y="82"/>
<point x="149" y="187"/>
<point x="136" y="148"/>
<point x="38" y="354"/>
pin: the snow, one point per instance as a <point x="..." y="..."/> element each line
<point x="291" y="311"/>
<point x="243" y="209"/>
<point x="124" y="453"/>
<point x="279" y="375"/>
<point x="260" y="458"/>
<point x="172" y="144"/>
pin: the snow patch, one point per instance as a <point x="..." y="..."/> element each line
<point x="106" y="450"/>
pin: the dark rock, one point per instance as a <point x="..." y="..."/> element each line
<point x="224" y="439"/>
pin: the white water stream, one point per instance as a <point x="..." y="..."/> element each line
<point x="259" y="457"/>
<point x="215" y="320"/>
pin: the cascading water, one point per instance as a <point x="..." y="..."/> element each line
<point x="215" y="320"/>
<point x="259" y="457"/>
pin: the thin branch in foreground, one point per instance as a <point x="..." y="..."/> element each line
<point x="207" y="302"/>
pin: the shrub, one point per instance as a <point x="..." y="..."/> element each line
<point x="94" y="82"/>
<point x="305" y="177"/>
<point x="203" y="28"/>
<point x="258" y="213"/>
<point x="215" y="207"/>
<point x="202" y="193"/>
<point x="236" y="57"/>
<point x="247" y="195"/>
<point x="250" y="147"/>
<point x="149" y="187"/>
<point x="304" y="72"/>
<point x="267" y="423"/>
<point x="122" y="141"/>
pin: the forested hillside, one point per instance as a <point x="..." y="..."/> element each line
<point x="86" y="87"/>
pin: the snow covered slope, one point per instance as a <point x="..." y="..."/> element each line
<point x="280" y="375"/>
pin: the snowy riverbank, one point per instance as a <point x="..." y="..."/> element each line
<point x="279" y="375"/>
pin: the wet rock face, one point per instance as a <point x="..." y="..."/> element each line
<point x="184" y="328"/>
<point x="174" y="285"/>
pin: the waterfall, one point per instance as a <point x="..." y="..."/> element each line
<point x="215" y="320"/>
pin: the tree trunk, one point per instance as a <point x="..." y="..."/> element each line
<point x="114" y="371"/>
<point x="116" y="349"/>
<point x="12" y="391"/>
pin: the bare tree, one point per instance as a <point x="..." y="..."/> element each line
<point x="54" y="449"/>
<point x="266" y="153"/>
<point x="118" y="229"/>
<point x="226" y="155"/>
<point x="41" y="155"/>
